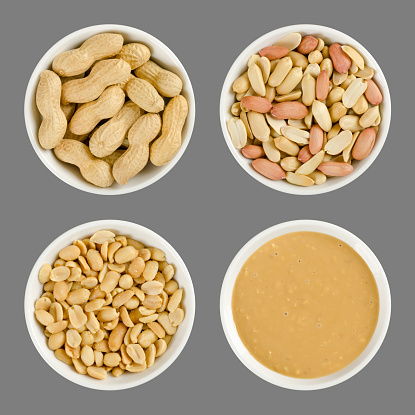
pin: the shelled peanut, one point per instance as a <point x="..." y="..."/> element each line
<point x="304" y="110"/>
<point x="96" y="94"/>
<point x="109" y="304"/>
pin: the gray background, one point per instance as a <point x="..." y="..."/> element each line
<point x="207" y="207"/>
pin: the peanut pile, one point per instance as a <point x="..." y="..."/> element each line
<point x="101" y="107"/>
<point x="110" y="304"/>
<point x="305" y="110"/>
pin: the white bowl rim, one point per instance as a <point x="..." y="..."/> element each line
<point x="48" y="56"/>
<point x="275" y="378"/>
<point x="84" y="380"/>
<point x="326" y="187"/>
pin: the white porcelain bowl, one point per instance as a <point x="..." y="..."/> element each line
<point x="230" y="329"/>
<point x="178" y="341"/>
<point x="330" y="36"/>
<point x="161" y="54"/>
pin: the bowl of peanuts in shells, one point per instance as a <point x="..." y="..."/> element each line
<point x="305" y="109"/>
<point x="109" y="109"/>
<point x="109" y="305"/>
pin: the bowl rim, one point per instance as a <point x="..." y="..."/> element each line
<point x="275" y="378"/>
<point x="326" y="187"/>
<point x="48" y="57"/>
<point x="84" y="380"/>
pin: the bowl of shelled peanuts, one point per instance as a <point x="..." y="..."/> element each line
<point x="109" y="305"/>
<point x="305" y="109"/>
<point x="109" y="109"/>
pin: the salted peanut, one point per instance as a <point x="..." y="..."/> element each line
<point x="125" y="254"/>
<point x="337" y="111"/>
<point x="99" y="335"/>
<point x="354" y="55"/>
<point x="253" y="152"/>
<point x="56" y="340"/>
<point x="361" y="105"/>
<point x="112" y="249"/>
<point x="290" y="163"/>
<point x="48" y="295"/>
<point x="43" y="303"/>
<point x="295" y="134"/>
<point x="341" y="60"/>
<point x="290" y="41"/>
<point x="96" y="372"/>
<point x="73" y="338"/>
<point x="92" y="323"/>
<point x="321" y="115"/>
<point x="136" y="353"/>
<point x="338" y="143"/>
<point x="356" y="89"/>
<point x="95" y="260"/>
<point x="78" y="296"/>
<point x="63" y="357"/>
<point x="44" y="273"/>
<point x="157" y="329"/>
<point x="282" y="69"/>
<point x="146" y="311"/>
<point x="271" y="151"/>
<point x="152" y="302"/>
<point x="308" y="86"/>
<point x="372" y="93"/>
<point x="102" y="236"/>
<point x="364" y="144"/>
<point x="311" y="165"/>
<point x="369" y="117"/>
<point x="125" y="318"/>
<point x="339" y="78"/>
<point x="87" y="338"/>
<point x="312" y="69"/>
<point x="112" y="359"/>
<point x="116" y="337"/>
<point x="150" y="270"/>
<point x="136" y="367"/>
<point x="136" y="267"/>
<point x="107" y="314"/>
<point x="152" y="288"/>
<point x="135" y="331"/>
<point x="60" y="273"/>
<point x="322" y="86"/>
<point x="291" y="96"/>
<point x="76" y="274"/>
<point x="110" y="281"/>
<point x="57" y="326"/>
<point x="273" y="52"/>
<point x="61" y="291"/>
<point x="256" y="79"/>
<point x="56" y="311"/>
<point x="59" y="263"/>
<point x="160" y="277"/>
<point x="316" y="139"/>
<point x="122" y="298"/>
<point x="48" y="287"/>
<point x="87" y="355"/>
<point x="132" y="303"/>
<point x="77" y="317"/>
<point x="176" y="317"/>
<point x="161" y="347"/>
<point x="71" y="352"/>
<point x="89" y="282"/>
<point x="259" y="126"/>
<point x="289" y="110"/>
<point x="291" y="81"/>
<point x="44" y="317"/>
<point x="351" y="123"/>
<point x="327" y="65"/>
<point x="315" y="57"/>
<point x="70" y="253"/>
<point x="165" y="299"/>
<point x="125" y="358"/>
<point x="98" y="358"/>
<point x="146" y="338"/>
<point x="168" y="272"/>
<point x="97" y="293"/>
<point x="332" y="168"/>
<point x="148" y="319"/>
<point x="82" y="247"/>
<point x="241" y="84"/>
<point x="164" y="321"/>
<point x="138" y="293"/>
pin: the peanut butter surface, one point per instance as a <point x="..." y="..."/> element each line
<point x="305" y="304"/>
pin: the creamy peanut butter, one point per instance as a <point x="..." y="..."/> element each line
<point x="305" y="304"/>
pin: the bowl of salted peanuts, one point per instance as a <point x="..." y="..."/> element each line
<point x="109" y="109"/>
<point x="109" y="305"/>
<point x="305" y="109"/>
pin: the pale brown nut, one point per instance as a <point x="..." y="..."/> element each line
<point x="48" y="97"/>
<point x="333" y="168"/>
<point x="307" y="45"/>
<point x="104" y="74"/>
<point x="167" y="83"/>
<point x="89" y="115"/>
<point x="109" y="136"/>
<point x="257" y="104"/>
<point x="93" y="170"/>
<point x="142" y="93"/>
<point x="116" y="337"/>
<point x="322" y="86"/>
<point x="305" y="154"/>
<point x="253" y="152"/>
<point x="273" y="52"/>
<point x="316" y="139"/>
<point x="168" y="144"/>
<point x="372" y="93"/>
<point x="340" y="59"/>
<point x="289" y="110"/>
<point x="76" y="61"/>
<point x="364" y="144"/>
<point x="136" y="54"/>
<point x="268" y="169"/>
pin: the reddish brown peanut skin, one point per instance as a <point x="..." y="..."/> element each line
<point x="289" y="110"/>
<point x="274" y="52"/>
<point x="334" y="168"/>
<point x="316" y="139"/>
<point x="257" y="104"/>
<point x="340" y="59"/>
<point x="268" y="169"/>
<point x="48" y="96"/>
<point x="322" y="85"/>
<point x="253" y="152"/>
<point x="305" y="154"/>
<point x="372" y="93"/>
<point x="307" y="45"/>
<point x="364" y="144"/>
